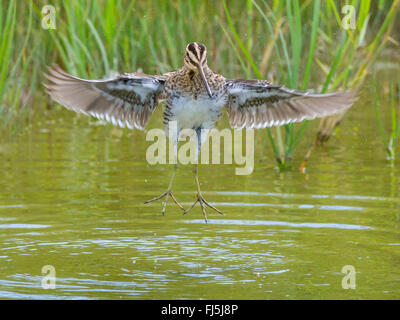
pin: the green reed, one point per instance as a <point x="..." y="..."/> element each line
<point x="304" y="39"/>
<point x="94" y="38"/>
<point x="18" y="70"/>
<point x="389" y="135"/>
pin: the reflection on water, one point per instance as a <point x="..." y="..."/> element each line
<point x="72" y="197"/>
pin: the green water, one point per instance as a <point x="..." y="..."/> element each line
<point x="72" y="194"/>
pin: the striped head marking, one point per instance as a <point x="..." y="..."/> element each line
<point x="196" y="54"/>
<point x="196" y="61"/>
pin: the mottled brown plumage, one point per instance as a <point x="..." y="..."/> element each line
<point x="194" y="97"/>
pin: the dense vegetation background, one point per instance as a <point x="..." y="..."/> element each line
<point x="301" y="44"/>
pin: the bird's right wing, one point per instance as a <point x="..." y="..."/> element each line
<point x="128" y="99"/>
<point x="260" y="104"/>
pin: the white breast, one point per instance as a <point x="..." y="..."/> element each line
<point x="202" y="112"/>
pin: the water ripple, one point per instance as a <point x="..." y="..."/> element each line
<point x="23" y="226"/>
<point x="288" y="206"/>
<point x="283" y="223"/>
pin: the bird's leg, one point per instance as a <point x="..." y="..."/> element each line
<point x="167" y="194"/>
<point x="200" y="199"/>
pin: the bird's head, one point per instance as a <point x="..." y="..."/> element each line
<point x="196" y="61"/>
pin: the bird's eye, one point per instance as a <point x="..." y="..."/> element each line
<point x="190" y="60"/>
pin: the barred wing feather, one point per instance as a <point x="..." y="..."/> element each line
<point x="125" y="100"/>
<point x="260" y="104"/>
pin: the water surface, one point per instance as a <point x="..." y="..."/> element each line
<point x="72" y="194"/>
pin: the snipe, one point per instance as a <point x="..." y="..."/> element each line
<point x="195" y="98"/>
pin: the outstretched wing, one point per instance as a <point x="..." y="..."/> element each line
<point x="123" y="100"/>
<point x="259" y="104"/>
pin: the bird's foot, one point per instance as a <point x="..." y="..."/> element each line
<point x="166" y="194"/>
<point x="203" y="203"/>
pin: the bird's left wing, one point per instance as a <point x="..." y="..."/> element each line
<point x="125" y="100"/>
<point x="260" y="104"/>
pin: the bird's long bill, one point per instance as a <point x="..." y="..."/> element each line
<point x="203" y="76"/>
